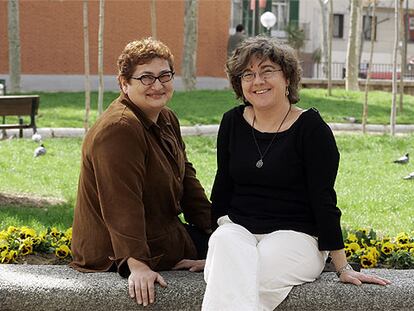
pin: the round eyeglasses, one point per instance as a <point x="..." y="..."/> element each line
<point x="150" y="79"/>
<point x="265" y="74"/>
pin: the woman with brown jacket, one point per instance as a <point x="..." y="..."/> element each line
<point x="135" y="180"/>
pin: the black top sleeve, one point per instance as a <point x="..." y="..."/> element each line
<point x="223" y="184"/>
<point x="321" y="160"/>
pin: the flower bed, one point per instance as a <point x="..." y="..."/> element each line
<point x="364" y="247"/>
<point x="25" y="245"/>
<point x="18" y="245"/>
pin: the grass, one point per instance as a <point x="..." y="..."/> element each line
<point x="371" y="192"/>
<point x="207" y="107"/>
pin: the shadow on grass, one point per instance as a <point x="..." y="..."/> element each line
<point x="37" y="217"/>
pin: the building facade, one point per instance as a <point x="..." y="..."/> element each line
<point x="51" y="37"/>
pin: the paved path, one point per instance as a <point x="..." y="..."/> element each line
<point x="212" y="130"/>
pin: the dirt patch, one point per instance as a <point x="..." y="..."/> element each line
<point x="42" y="259"/>
<point x="26" y="200"/>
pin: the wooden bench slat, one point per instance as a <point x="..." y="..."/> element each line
<point x="19" y="105"/>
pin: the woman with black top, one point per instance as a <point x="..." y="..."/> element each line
<point x="273" y="197"/>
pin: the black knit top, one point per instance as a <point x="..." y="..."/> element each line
<point x="294" y="190"/>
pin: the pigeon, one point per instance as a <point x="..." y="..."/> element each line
<point x="409" y="176"/>
<point x="39" y="151"/>
<point x="403" y="160"/>
<point x="37" y="137"/>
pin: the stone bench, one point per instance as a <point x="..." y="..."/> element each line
<point x="32" y="287"/>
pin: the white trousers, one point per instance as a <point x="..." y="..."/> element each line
<point x="255" y="272"/>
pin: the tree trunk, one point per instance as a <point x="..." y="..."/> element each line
<point x="154" y="19"/>
<point x="14" y="45"/>
<point x="394" y="72"/>
<point x="351" y="78"/>
<point x="371" y="53"/>
<point x="330" y="35"/>
<point x="86" y="64"/>
<point x="100" y="55"/>
<point x="190" y="44"/>
<point x="403" y="38"/>
<point x="325" y="33"/>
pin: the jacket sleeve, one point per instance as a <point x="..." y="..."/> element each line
<point x="321" y="159"/>
<point x="118" y="159"/>
<point x="221" y="193"/>
<point x="194" y="203"/>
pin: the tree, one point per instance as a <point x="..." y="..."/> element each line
<point x="14" y="45"/>
<point x="86" y="64"/>
<point x="394" y="72"/>
<point x="100" y="55"/>
<point x="371" y="52"/>
<point x="325" y="30"/>
<point x="295" y="36"/>
<point x="403" y="39"/>
<point x="330" y="35"/>
<point x="153" y="19"/>
<point x="351" y="78"/>
<point x="190" y="44"/>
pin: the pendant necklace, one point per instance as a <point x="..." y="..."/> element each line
<point x="259" y="163"/>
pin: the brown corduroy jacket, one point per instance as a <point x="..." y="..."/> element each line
<point x="135" y="180"/>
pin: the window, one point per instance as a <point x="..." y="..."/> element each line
<point x="338" y="26"/>
<point x="280" y="9"/>
<point x="367" y="27"/>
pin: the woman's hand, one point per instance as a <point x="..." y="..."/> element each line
<point x="191" y="265"/>
<point x="357" y="278"/>
<point x="141" y="282"/>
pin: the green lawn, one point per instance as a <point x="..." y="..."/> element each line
<point x="370" y="188"/>
<point x="207" y="107"/>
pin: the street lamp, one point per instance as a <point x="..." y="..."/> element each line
<point x="268" y="20"/>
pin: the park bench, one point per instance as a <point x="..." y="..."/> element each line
<point x="19" y="106"/>
<point x="35" y="287"/>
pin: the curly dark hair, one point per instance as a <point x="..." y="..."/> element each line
<point x="140" y="52"/>
<point x="264" y="48"/>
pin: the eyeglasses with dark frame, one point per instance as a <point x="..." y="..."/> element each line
<point x="150" y="79"/>
<point x="249" y="76"/>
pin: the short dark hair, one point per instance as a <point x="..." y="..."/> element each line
<point x="239" y="28"/>
<point x="263" y="48"/>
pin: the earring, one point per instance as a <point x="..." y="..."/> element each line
<point x="287" y="91"/>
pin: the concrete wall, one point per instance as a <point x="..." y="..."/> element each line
<point x="51" y="33"/>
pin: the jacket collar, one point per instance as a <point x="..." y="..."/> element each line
<point x="162" y="119"/>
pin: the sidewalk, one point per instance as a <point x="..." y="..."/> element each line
<point x="204" y="130"/>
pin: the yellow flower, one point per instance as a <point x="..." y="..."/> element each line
<point x="26" y="232"/>
<point x="353" y="247"/>
<point x="402" y="238"/>
<point x="62" y="251"/>
<point x="348" y="252"/>
<point x="26" y="249"/>
<point x="68" y="234"/>
<point x="387" y="248"/>
<point x="367" y="261"/>
<point x="54" y="232"/>
<point x="373" y="252"/>
<point x="412" y="251"/>
<point x="8" y="257"/>
<point x="403" y="246"/>
<point x="352" y="238"/>
<point x="3" y="235"/>
<point x="36" y="240"/>
<point x="4" y="246"/>
<point x="11" y="229"/>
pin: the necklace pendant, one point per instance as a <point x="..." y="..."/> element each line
<point x="259" y="163"/>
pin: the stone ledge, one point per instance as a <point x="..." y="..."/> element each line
<point x="31" y="287"/>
